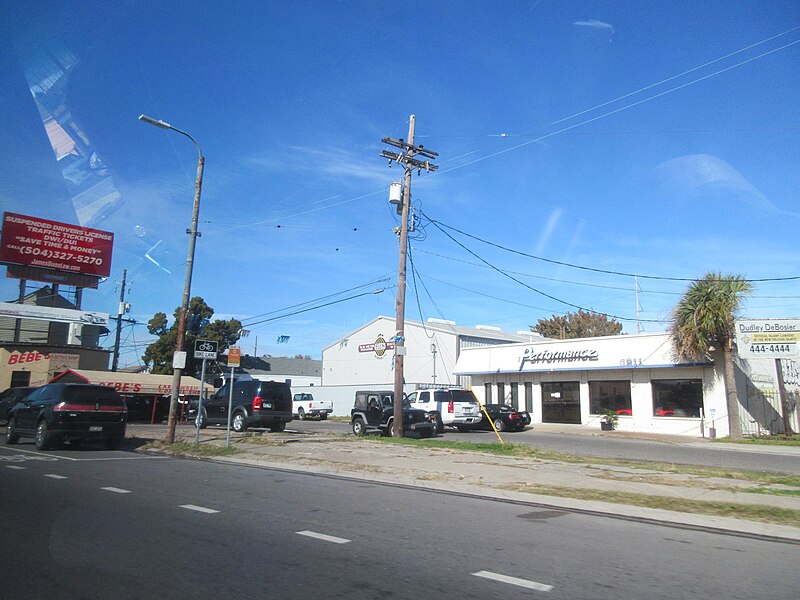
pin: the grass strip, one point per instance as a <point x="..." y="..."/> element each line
<point x="522" y="451"/>
<point x="190" y="449"/>
<point x="749" y="512"/>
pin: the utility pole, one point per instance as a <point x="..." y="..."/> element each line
<point x="120" y="311"/>
<point x="433" y="350"/>
<point x="405" y="157"/>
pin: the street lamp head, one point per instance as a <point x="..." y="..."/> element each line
<point x="160" y="124"/>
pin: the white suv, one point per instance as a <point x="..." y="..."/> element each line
<point x="456" y="408"/>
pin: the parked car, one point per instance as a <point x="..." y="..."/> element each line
<point x="304" y="405"/>
<point x="71" y="412"/>
<point x="505" y="418"/>
<point x="10" y="397"/>
<point x="375" y="410"/>
<point x="255" y="404"/>
<point x="456" y="408"/>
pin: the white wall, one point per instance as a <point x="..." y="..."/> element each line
<point x="344" y="364"/>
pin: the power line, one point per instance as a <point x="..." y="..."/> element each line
<point x="297" y="312"/>
<point x="373" y="282"/>
<point x="441" y="225"/>
<point x="533" y="289"/>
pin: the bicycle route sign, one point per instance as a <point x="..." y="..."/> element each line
<point x="205" y="349"/>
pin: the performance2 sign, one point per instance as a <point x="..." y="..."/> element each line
<point x="47" y="244"/>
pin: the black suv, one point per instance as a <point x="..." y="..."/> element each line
<point x="10" y="397"/>
<point x="375" y="410"/>
<point x="255" y="404"/>
<point x="72" y="412"/>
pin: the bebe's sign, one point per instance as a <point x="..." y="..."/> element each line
<point x="26" y="357"/>
<point x="123" y="386"/>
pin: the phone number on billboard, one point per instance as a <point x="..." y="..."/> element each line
<point x="775" y="348"/>
<point x="59" y="255"/>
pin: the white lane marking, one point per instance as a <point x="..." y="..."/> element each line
<point x="116" y="490"/>
<point x="526" y="583"/>
<point x="54" y="476"/>
<point x="202" y="509"/>
<point x="15" y="467"/>
<point x="41" y="455"/>
<point x="323" y="537"/>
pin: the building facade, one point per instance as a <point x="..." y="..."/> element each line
<point x="636" y="376"/>
<point x="365" y="358"/>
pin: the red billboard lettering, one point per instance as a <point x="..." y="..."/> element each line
<point x="36" y="242"/>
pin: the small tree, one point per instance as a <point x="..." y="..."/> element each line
<point x="158" y="355"/>
<point x="703" y="322"/>
<point x="577" y="325"/>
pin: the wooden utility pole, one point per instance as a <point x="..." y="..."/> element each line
<point x="405" y="157"/>
<point x="120" y="312"/>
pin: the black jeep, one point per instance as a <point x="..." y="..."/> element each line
<point x="375" y="410"/>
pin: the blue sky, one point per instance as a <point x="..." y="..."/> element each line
<point x="608" y="138"/>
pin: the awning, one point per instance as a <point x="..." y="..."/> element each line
<point x="132" y="383"/>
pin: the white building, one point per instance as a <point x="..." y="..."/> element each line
<point x="365" y="357"/>
<point x="637" y="376"/>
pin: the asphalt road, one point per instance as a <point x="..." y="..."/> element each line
<point x="98" y="524"/>
<point x="729" y="456"/>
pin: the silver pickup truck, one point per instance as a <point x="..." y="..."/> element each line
<point x="304" y="406"/>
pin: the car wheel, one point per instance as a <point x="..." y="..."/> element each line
<point x="301" y="414"/>
<point x="323" y="416"/>
<point x="42" y="438"/>
<point x="277" y="427"/>
<point x="12" y="437"/>
<point x="438" y="426"/>
<point x="359" y="427"/>
<point x="201" y="420"/>
<point x="463" y="428"/>
<point x="499" y="425"/>
<point x="239" y="422"/>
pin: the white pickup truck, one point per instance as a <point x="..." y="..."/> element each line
<point x="304" y="406"/>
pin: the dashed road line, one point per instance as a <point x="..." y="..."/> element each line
<point x="116" y="490"/>
<point x="202" y="509"/>
<point x="323" y="537"/>
<point x="54" y="476"/>
<point x="525" y="583"/>
<point x="15" y="467"/>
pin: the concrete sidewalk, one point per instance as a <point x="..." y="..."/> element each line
<point x="526" y="480"/>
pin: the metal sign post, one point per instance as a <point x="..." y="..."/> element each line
<point x="234" y="356"/>
<point x="205" y="349"/>
<point x="200" y="402"/>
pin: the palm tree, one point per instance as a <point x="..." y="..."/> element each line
<point x="703" y="320"/>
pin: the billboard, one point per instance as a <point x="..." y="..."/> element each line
<point x="768" y="338"/>
<point x="49" y="313"/>
<point x="35" y="242"/>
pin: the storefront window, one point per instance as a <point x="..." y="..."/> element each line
<point x="528" y="396"/>
<point x="501" y="393"/>
<point x="677" y="397"/>
<point x="611" y="395"/>
<point x="487" y="387"/>
<point x="515" y="396"/>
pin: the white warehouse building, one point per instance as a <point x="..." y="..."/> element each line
<point x="365" y="358"/>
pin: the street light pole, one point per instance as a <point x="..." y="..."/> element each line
<point x="179" y="359"/>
